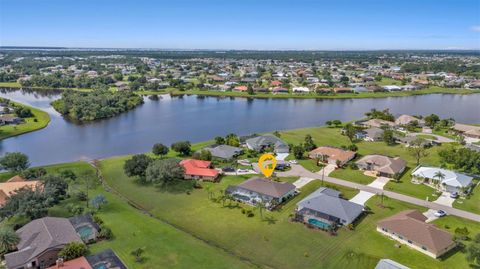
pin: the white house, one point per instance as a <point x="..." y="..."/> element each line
<point x="450" y="181"/>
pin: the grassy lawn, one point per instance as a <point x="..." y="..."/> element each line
<point x="352" y="175"/>
<point x="425" y="136"/>
<point x="388" y="81"/>
<point x="323" y="136"/>
<point x="165" y="246"/>
<point x="42" y="119"/>
<point x="279" y="243"/>
<point x="472" y="203"/>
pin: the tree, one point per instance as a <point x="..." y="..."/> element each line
<point x="138" y="254"/>
<point x="388" y="137"/>
<point x="68" y="174"/>
<point x="88" y="178"/>
<point x="182" y="147"/>
<point x="98" y="201"/>
<point x="462" y="233"/>
<point x="337" y="123"/>
<point x="417" y="150"/>
<point x="8" y="239"/>
<point x="73" y="250"/>
<point x="250" y="89"/>
<point x="160" y="149"/>
<point x="26" y="202"/>
<point x="219" y="140"/>
<point x="309" y="145"/>
<point x="14" y="162"/>
<point x="55" y="188"/>
<point x="232" y="140"/>
<point x="298" y="151"/>
<point x="203" y="155"/>
<point x="136" y="166"/>
<point x="439" y="176"/>
<point x="328" y="123"/>
<point x="277" y="134"/>
<point x="431" y="120"/>
<point x="165" y="171"/>
<point x="350" y="132"/>
<point x="473" y="251"/>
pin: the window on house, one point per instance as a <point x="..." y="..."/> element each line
<point x="424" y="248"/>
<point x="410" y="241"/>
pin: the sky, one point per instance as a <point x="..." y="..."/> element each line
<point x="242" y="24"/>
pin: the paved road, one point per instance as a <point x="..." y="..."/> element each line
<point x="300" y="171"/>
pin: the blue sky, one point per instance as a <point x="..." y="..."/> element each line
<point x="242" y="24"/>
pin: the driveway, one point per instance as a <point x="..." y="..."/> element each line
<point x="445" y="199"/>
<point x="362" y="197"/>
<point x="430" y="215"/>
<point x="439" y="138"/>
<point x="329" y="168"/>
<point x="379" y="183"/>
<point x="302" y="182"/>
<point x="281" y="156"/>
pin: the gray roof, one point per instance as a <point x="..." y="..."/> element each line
<point x="106" y="256"/>
<point x="265" y="186"/>
<point x="374" y="132"/>
<point x="389" y="264"/>
<point x="327" y="201"/>
<point x="450" y="178"/>
<point x="40" y="235"/>
<point x="223" y="151"/>
<point x="262" y="141"/>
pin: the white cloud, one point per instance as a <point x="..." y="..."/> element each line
<point x="475" y="28"/>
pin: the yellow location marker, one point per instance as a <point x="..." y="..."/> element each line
<point x="267" y="164"/>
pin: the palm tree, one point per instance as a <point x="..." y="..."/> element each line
<point x="8" y="239"/>
<point x="261" y="206"/>
<point x="439" y="176"/>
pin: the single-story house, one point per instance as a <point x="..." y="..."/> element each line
<point x="449" y="181"/>
<point x="199" y="170"/>
<point x="342" y="90"/>
<point x="409" y="228"/>
<point x="378" y="123"/>
<point x="371" y="134"/>
<point x="389" y="264"/>
<point x="301" y="89"/>
<point x="325" y="209"/>
<point x="15" y="183"/>
<point x="408" y="140"/>
<point x="224" y="152"/>
<point x="407" y="119"/>
<point x="467" y="130"/>
<point x="382" y="165"/>
<point x="106" y="259"/>
<point x="40" y="242"/>
<point x="259" y="143"/>
<point x="256" y="189"/>
<point x="280" y="90"/>
<point x="392" y="88"/>
<point x="10" y="119"/>
<point x="241" y="88"/>
<point x="332" y="155"/>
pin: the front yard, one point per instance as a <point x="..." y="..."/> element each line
<point x="278" y="242"/>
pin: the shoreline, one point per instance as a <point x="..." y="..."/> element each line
<point x="211" y="93"/>
<point x="42" y="117"/>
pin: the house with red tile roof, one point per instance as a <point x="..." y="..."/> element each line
<point x="276" y="83"/>
<point x="199" y="170"/>
<point x="242" y="88"/>
<point x="78" y="263"/>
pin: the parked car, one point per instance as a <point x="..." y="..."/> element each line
<point x="293" y="161"/>
<point x="440" y="213"/>
<point x="228" y="169"/>
<point x="454" y="195"/>
<point x="242" y="171"/>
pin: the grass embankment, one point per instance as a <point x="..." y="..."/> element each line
<point x="430" y="90"/>
<point x="39" y="120"/>
<point x="275" y="241"/>
<point x="176" y="92"/>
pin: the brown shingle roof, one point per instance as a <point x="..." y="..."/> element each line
<point x="267" y="187"/>
<point x="334" y="153"/>
<point x="411" y="225"/>
<point x="384" y="164"/>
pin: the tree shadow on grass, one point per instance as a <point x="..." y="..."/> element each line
<point x="177" y="187"/>
<point x="270" y="220"/>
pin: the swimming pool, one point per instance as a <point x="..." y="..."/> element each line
<point x="319" y="224"/>
<point x="85" y="231"/>
<point x="100" y="266"/>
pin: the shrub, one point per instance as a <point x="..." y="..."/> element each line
<point x="82" y="196"/>
<point x="73" y="250"/>
<point x="105" y="233"/>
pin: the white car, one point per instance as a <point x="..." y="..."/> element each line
<point x="440" y="213"/>
<point x="293" y="161"/>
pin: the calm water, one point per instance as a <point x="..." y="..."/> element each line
<point x="197" y="119"/>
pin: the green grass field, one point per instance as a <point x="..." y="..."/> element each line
<point x="352" y="175"/>
<point x="275" y="241"/>
<point x="30" y="125"/>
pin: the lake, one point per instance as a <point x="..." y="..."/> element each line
<point x="196" y="119"/>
